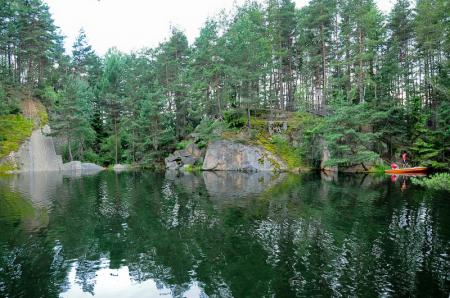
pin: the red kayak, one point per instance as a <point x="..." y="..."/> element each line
<point x="418" y="170"/>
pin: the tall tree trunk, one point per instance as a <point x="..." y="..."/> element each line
<point x="69" y="146"/>
<point x="361" y="71"/>
<point x="116" y="140"/>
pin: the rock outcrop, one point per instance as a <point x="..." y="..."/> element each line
<point x="37" y="154"/>
<point x="326" y="155"/>
<point x="81" y="166"/>
<point x="181" y="158"/>
<point x="122" y="167"/>
<point x="230" y="156"/>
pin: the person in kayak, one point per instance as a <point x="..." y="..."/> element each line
<point x="404" y="157"/>
<point x="394" y="166"/>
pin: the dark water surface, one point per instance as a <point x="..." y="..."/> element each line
<point x="142" y="234"/>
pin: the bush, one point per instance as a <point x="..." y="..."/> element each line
<point x="14" y="129"/>
<point x="440" y="181"/>
<point x="8" y="105"/>
<point x="183" y="144"/>
<point x="208" y="130"/>
<point x="235" y="118"/>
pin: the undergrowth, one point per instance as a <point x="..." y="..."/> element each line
<point x="440" y="181"/>
<point x="14" y="129"/>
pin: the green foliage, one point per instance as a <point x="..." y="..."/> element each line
<point x="280" y="146"/>
<point x="72" y="119"/>
<point x="49" y="96"/>
<point x="380" y="168"/>
<point x="385" y="77"/>
<point x="209" y="130"/>
<point x="192" y="168"/>
<point x="349" y="135"/>
<point x="41" y="114"/>
<point x="183" y="144"/>
<point x="14" y="129"/>
<point x="6" y="167"/>
<point x="440" y="181"/>
<point x="8" y="104"/>
<point x="235" y="118"/>
<point x="289" y="154"/>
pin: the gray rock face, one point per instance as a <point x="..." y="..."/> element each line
<point x="194" y="151"/>
<point x="230" y="156"/>
<point x="181" y="158"/>
<point x="121" y="167"/>
<point x="37" y="154"/>
<point x="326" y="155"/>
<point x="72" y="166"/>
<point x="79" y="166"/>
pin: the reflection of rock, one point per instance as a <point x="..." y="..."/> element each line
<point x="329" y="175"/>
<point x="230" y="156"/>
<point x="189" y="181"/>
<point x="222" y="185"/>
<point x="42" y="187"/>
<point x="38" y="187"/>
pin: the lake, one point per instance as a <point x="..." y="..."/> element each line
<point x="145" y="234"/>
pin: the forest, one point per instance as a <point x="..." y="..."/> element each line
<point x="372" y="83"/>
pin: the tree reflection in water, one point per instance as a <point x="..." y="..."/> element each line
<point x="222" y="234"/>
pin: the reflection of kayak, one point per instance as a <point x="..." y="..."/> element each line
<point x="420" y="170"/>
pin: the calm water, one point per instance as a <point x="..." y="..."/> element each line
<point x="143" y="234"/>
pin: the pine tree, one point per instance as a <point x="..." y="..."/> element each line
<point x="72" y="118"/>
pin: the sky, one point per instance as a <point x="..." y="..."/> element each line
<point x="133" y="24"/>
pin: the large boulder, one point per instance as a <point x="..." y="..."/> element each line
<point x="72" y="166"/>
<point x="181" y="158"/>
<point x="122" y="167"/>
<point x="230" y="156"/>
<point x="80" y="166"/>
<point x="326" y="156"/>
<point x="194" y="151"/>
<point x="87" y="166"/>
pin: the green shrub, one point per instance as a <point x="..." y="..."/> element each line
<point x="280" y="146"/>
<point x="42" y="114"/>
<point x="440" y="181"/>
<point x="8" y="104"/>
<point x="91" y="156"/>
<point x="209" y="129"/>
<point x="14" y="129"/>
<point x="7" y="167"/>
<point x="235" y="118"/>
<point x="183" y="144"/>
<point x="380" y="168"/>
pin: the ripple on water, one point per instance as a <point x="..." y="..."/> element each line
<point x="220" y="234"/>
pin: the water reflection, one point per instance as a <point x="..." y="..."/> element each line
<point x="140" y="234"/>
<point x="119" y="283"/>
